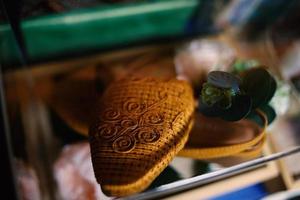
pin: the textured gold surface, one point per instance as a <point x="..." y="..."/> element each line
<point x="142" y="124"/>
<point x="213" y="138"/>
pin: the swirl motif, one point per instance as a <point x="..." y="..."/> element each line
<point x="148" y="135"/>
<point x="134" y="107"/>
<point x="107" y="131"/>
<point x="135" y="122"/>
<point x="123" y="144"/>
<point x="111" y="114"/>
<point x="129" y="123"/>
<point x="153" y="118"/>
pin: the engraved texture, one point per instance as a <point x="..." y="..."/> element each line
<point x="141" y="125"/>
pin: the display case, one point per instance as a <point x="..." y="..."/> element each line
<point x="62" y="66"/>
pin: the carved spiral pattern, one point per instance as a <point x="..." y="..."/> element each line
<point x="111" y="114"/>
<point x="148" y="135"/>
<point x="123" y="144"/>
<point x="153" y="118"/>
<point x="132" y="106"/>
<point x="129" y="123"/>
<point x="107" y="131"/>
<point x="139" y="124"/>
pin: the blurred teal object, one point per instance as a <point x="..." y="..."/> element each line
<point x="267" y="110"/>
<point x="254" y="18"/>
<point x="241" y="65"/>
<point x="98" y="28"/>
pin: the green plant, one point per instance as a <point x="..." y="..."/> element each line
<point x="233" y="97"/>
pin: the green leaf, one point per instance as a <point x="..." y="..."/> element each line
<point x="259" y="85"/>
<point x="211" y="94"/>
<point x="273" y="87"/>
<point x="267" y="110"/>
<point x="243" y="65"/>
<point x="224" y="80"/>
<point x="253" y="116"/>
<point x="209" y="111"/>
<point x="241" y="106"/>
